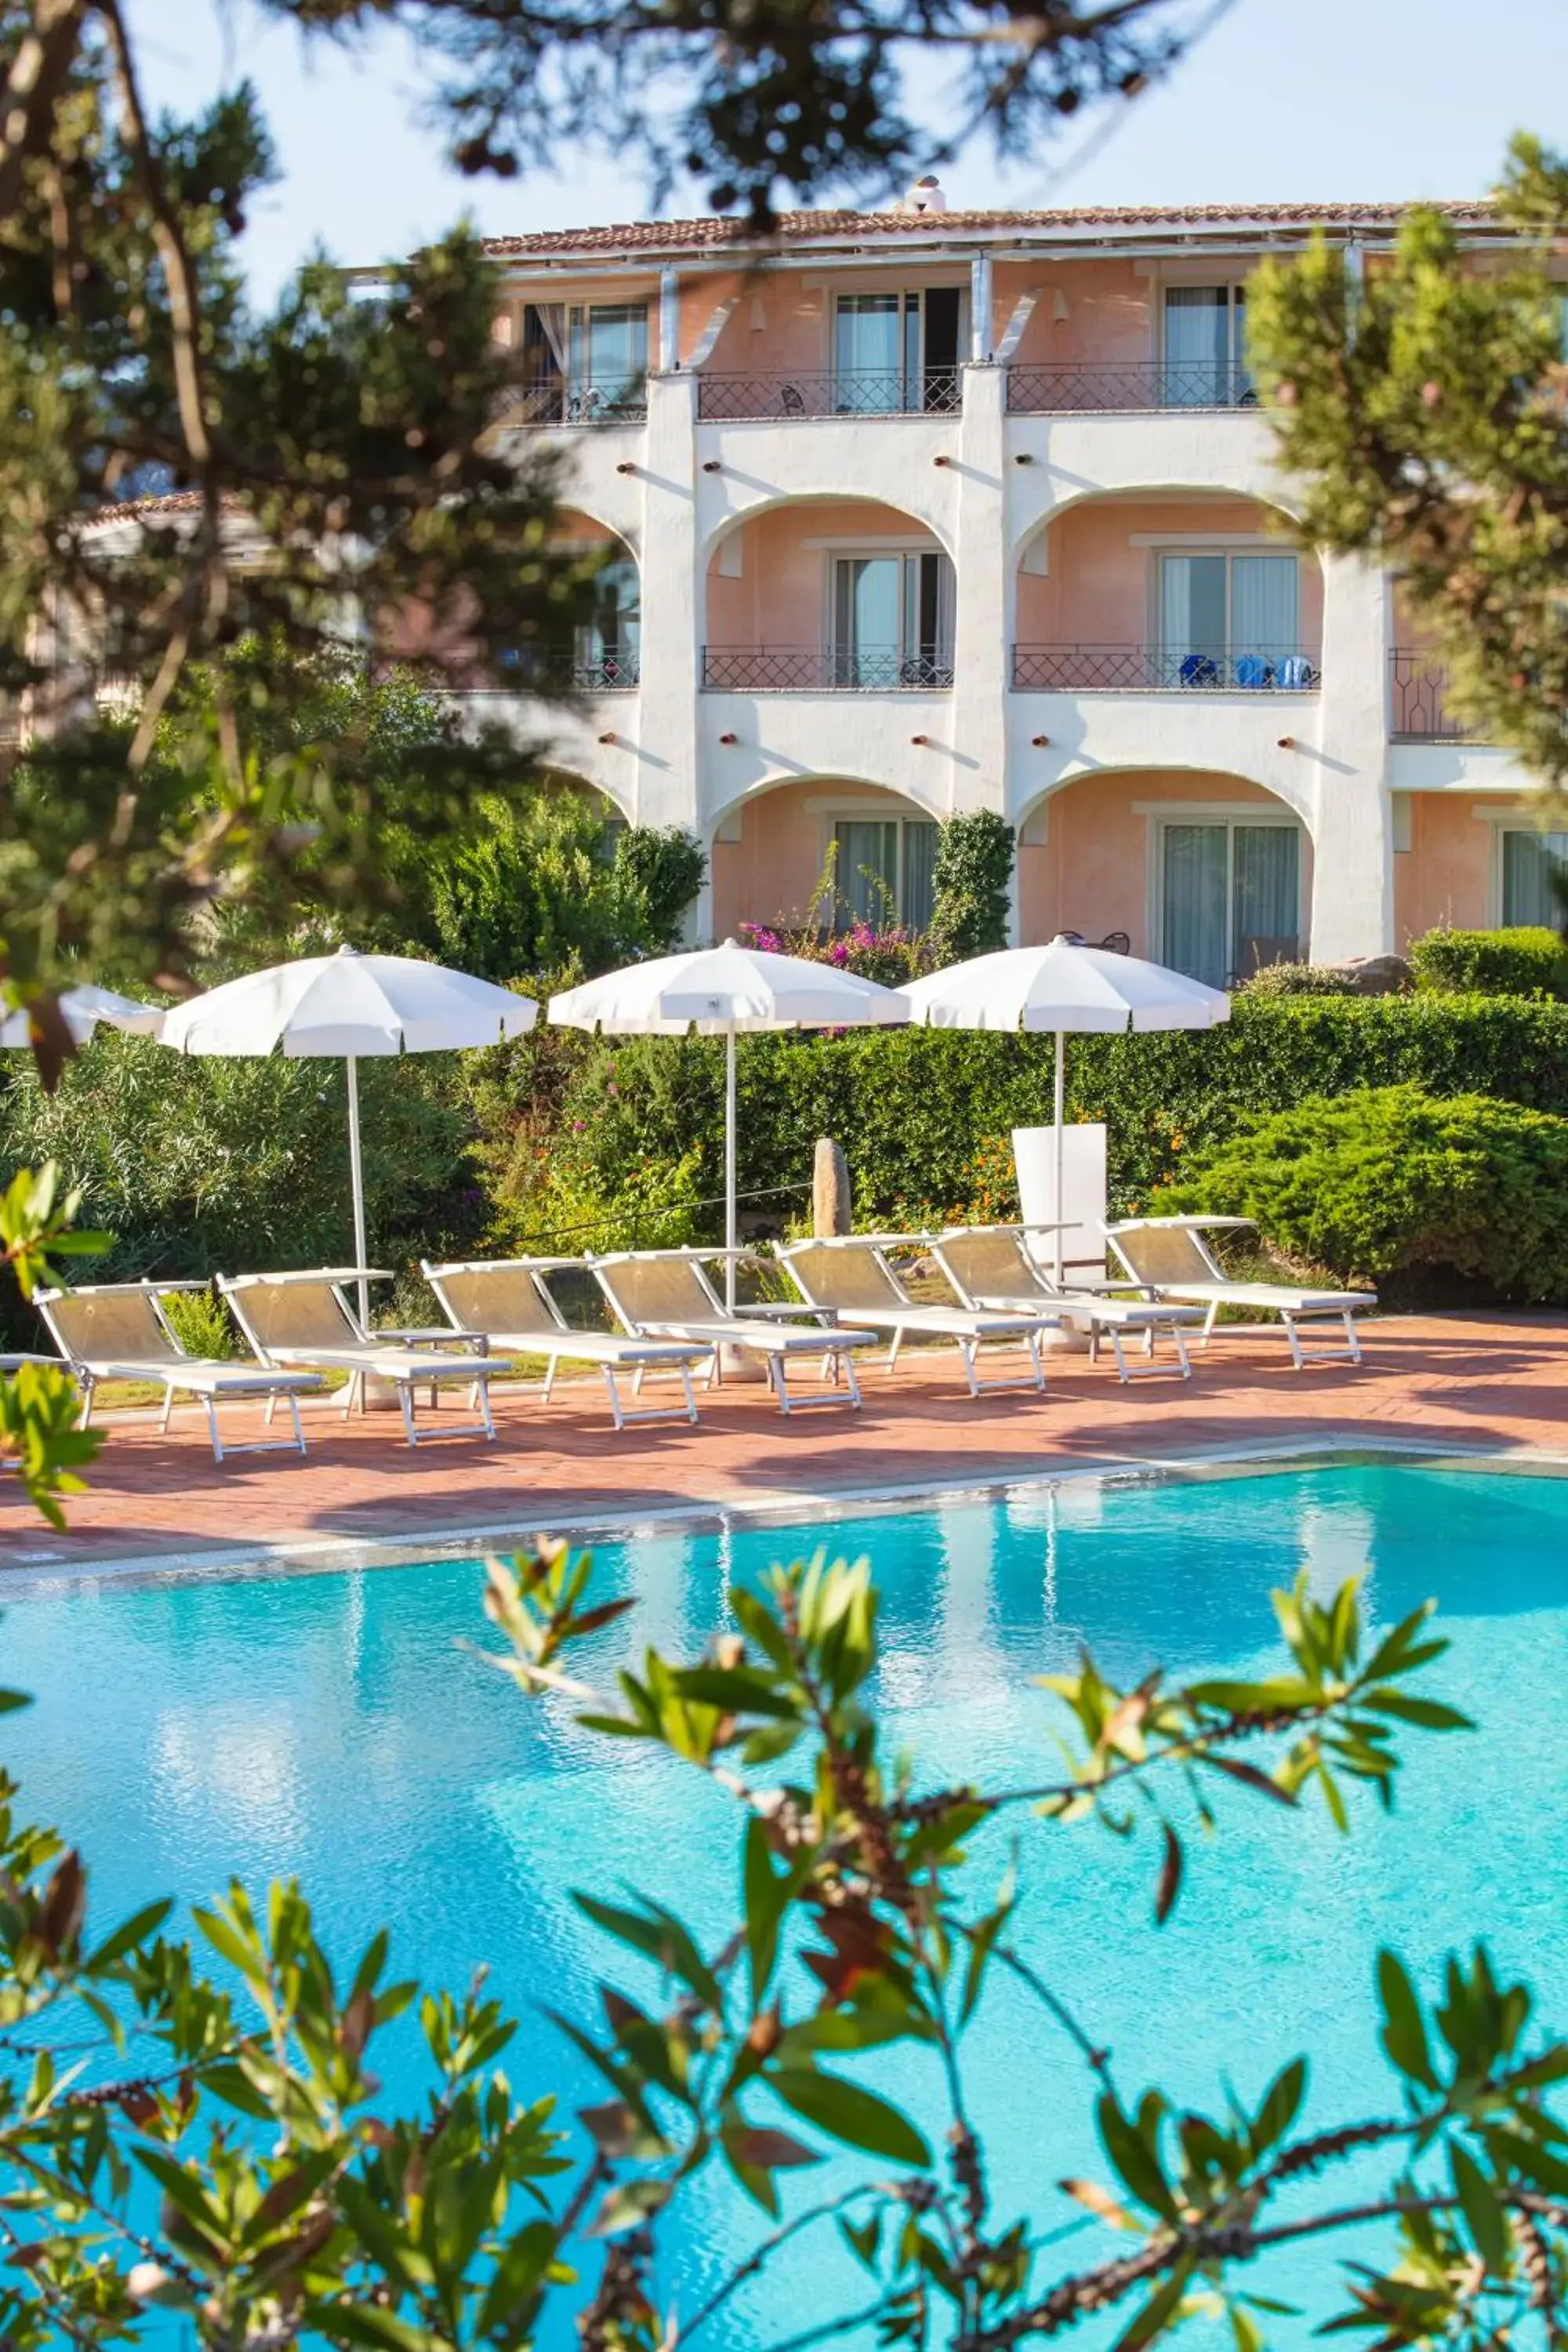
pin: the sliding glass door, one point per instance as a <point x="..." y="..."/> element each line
<point x="608" y="359"/>
<point x="1231" y="620"/>
<point x="1205" y="347"/>
<point x="1534" y="878"/>
<point x="1230" y="899"/>
<point x="608" y="648"/>
<point x="897" y="351"/>
<point x="883" y="871"/>
<point x="893" y="621"/>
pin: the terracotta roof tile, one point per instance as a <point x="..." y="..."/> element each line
<point x="684" y="236"/>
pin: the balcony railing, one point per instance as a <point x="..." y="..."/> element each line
<point x="1101" y="387"/>
<point x="530" y="669"/>
<point x="938" y="392"/>
<point x="1418" y="709"/>
<point x="1152" y="669"/>
<point x="805" y="669"/>
<point x="555" y="403"/>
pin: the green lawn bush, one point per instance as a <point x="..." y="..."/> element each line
<point x="917" y="1110"/>
<point x="1529" y="961"/>
<point x="1427" y="1198"/>
<point x="198" y="1163"/>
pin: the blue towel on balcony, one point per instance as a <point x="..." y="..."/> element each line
<point x="1251" y="669"/>
<point x="1297" y="673"/>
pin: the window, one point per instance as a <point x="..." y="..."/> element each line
<point x="1205" y="348"/>
<point x="883" y="871"/>
<point x="608" y="355"/>
<point x="607" y="648"/>
<point x="893" y="621"/>
<point x="895" y="352"/>
<point x="1231" y="620"/>
<point x="1535" y="871"/>
<point x="1230" y="898"/>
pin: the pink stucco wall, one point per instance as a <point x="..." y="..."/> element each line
<point x="1101" y="589"/>
<point x="1091" y="873"/>
<point x="1110" y="316"/>
<point x="778" y="599"/>
<point x="1444" y="875"/>
<point x="769" y="873"/>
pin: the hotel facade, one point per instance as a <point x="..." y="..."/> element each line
<point x="925" y="511"/>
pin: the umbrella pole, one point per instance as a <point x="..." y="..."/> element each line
<point x="1061" y="1100"/>
<point x="730" y="1217"/>
<point x="356" y="1172"/>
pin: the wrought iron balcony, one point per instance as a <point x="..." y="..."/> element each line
<point x="534" y="668"/>
<point x="1156" y="669"/>
<point x="805" y="669"/>
<point x="1112" y="387"/>
<point x="556" y="402"/>
<point x="1418" y="708"/>
<point x="937" y="392"/>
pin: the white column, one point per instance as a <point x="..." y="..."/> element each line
<point x="980" y="308"/>
<point x="671" y="604"/>
<point x="668" y="320"/>
<point x="1353" y="823"/>
<point x="980" y="637"/>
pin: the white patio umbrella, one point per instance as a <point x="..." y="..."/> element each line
<point x="1066" y="987"/>
<point x="349" y="1005"/>
<point x="84" y="1007"/>
<point x="727" y="992"/>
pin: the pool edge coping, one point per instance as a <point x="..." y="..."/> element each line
<point x="40" y="1577"/>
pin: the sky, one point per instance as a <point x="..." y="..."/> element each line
<point x="1366" y="100"/>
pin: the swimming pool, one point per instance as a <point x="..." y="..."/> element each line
<point x="331" y="1726"/>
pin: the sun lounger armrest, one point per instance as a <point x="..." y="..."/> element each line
<point x="782" y="1310"/>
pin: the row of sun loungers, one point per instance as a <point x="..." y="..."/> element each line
<point x="671" y="1324"/>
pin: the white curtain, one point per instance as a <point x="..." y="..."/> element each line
<point x="1265" y="896"/>
<point x="1197" y="345"/>
<point x="1196" y="927"/>
<point x="1532" y="865"/>
<point x="1264" y="605"/>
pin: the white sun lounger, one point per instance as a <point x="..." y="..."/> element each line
<point x="849" y="1278"/>
<point x="119" y="1331"/>
<point x="1168" y="1257"/>
<point x="665" y="1294"/>
<point x="990" y="1265"/>
<point x="305" y="1319"/>
<point x="511" y="1302"/>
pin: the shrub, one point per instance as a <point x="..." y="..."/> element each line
<point x="1299" y="979"/>
<point x="1531" y="962"/>
<point x="1397" y="1186"/>
<point x="973" y="869"/>
<point x="196" y="1163"/>
<point x="914" y="1109"/>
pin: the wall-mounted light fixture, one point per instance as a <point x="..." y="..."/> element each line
<point x="712" y="466"/>
<point x="920" y="739"/>
<point x="626" y="466"/>
<point x="729" y="738"/>
<point x="1023" y="458"/>
<point x="1287" y="742"/>
<point x="942" y="461"/>
<point x="609" y="739"/>
<point x="1039" y="741"/>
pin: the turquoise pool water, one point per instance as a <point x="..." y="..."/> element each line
<point x="331" y="1726"/>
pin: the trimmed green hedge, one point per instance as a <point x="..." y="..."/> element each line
<point x="1527" y="961"/>
<point x="1420" y="1195"/>
<point x="915" y="1109"/>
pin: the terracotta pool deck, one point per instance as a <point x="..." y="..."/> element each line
<point x="1472" y="1381"/>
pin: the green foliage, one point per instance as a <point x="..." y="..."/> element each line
<point x="1422" y="407"/>
<point x="1394" y="1186"/>
<point x="550" y="881"/>
<point x="1299" y="979"/>
<point x="915" y="1109"/>
<point x="974" y="857"/>
<point x="1529" y="961"/>
<point x="201" y="1323"/>
<point x="196" y="1163"/>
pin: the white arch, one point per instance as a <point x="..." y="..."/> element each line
<point x="1299" y="808"/>
<point x="1146" y="494"/>
<point x="554" y="777"/>
<point x="621" y="534"/>
<point x="769" y="502"/>
<point x="822" y="780"/>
